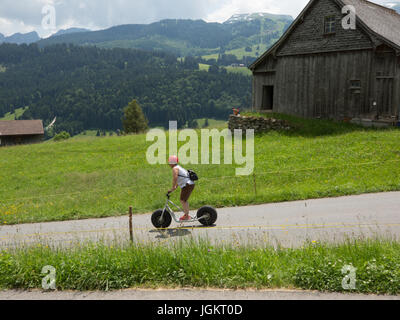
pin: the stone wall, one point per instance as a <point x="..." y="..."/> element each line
<point x="259" y="124"/>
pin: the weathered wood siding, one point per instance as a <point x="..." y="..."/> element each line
<point x="17" y="140"/>
<point x="309" y="36"/>
<point x="385" y="70"/>
<point x="319" y="85"/>
<point x="396" y="99"/>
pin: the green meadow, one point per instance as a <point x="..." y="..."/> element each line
<point x="90" y="177"/>
<point x="212" y="123"/>
<point x="17" y="113"/>
<point x="242" y="70"/>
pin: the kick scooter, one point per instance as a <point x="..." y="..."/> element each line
<point x="162" y="218"/>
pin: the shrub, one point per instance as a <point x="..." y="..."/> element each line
<point x="62" y="136"/>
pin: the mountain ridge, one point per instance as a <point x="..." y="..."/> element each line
<point x="21" y="38"/>
<point x="69" y="31"/>
<point x="256" y="15"/>
<point x="184" y="37"/>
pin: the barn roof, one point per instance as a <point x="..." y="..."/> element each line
<point x="21" y="127"/>
<point x="381" y="21"/>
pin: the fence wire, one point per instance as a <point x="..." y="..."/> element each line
<point x="157" y="186"/>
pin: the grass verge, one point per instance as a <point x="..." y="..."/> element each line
<point x="198" y="264"/>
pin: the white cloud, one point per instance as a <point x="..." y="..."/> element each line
<point x="9" y="27"/>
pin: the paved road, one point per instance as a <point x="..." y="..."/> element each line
<point x="288" y="224"/>
<point x="188" y="294"/>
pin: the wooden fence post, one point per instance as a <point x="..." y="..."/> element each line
<point x="255" y="184"/>
<point x="130" y="224"/>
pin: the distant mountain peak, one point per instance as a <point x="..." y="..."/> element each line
<point x="69" y="31"/>
<point x="20" y="38"/>
<point x="258" y="15"/>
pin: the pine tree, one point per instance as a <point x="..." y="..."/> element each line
<point x="193" y="124"/>
<point x="134" y="120"/>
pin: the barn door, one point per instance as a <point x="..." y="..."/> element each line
<point x="268" y="98"/>
<point x="355" y="104"/>
<point x="385" y="66"/>
<point x="355" y="99"/>
<point x="384" y="95"/>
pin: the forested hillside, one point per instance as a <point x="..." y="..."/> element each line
<point x="87" y="87"/>
<point x="185" y="37"/>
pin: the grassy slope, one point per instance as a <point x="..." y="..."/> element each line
<point x="156" y="42"/>
<point x="97" y="177"/>
<point x="243" y="70"/>
<point x="12" y="116"/>
<point x="204" y="67"/>
<point x="212" y="123"/>
<point x="241" y="52"/>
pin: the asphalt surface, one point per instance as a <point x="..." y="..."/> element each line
<point x="288" y="224"/>
<point x="187" y="294"/>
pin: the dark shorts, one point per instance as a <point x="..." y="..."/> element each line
<point x="186" y="192"/>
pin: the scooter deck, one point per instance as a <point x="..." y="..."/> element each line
<point x="188" y="221"/>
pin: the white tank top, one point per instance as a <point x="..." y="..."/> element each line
<point x="183" y="177"/>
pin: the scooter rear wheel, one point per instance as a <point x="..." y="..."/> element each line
<point x="210" y="216"/>
<point x="161" y="223"/>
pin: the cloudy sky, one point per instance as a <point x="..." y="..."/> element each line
<point x="26" y="15"/>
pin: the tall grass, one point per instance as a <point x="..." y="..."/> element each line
<point x="198" y="264"/>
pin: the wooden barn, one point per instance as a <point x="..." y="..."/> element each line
<point x="319" y="69"/>
<point x="21" y="132"/>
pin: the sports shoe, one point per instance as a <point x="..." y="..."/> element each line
<point x="185" y="218"/>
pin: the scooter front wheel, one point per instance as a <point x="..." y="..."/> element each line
<point x="207" y="216"/>
<point x="161" y="221"/>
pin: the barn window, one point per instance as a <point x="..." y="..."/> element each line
<point x="330" y="24"/>
<point x="355" y="84"/>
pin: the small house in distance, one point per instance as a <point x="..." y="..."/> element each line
<point x="21" y="132"/>
<point x="320" y="69"/>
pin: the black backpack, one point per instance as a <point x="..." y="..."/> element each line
<point x="192" y="175"/>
